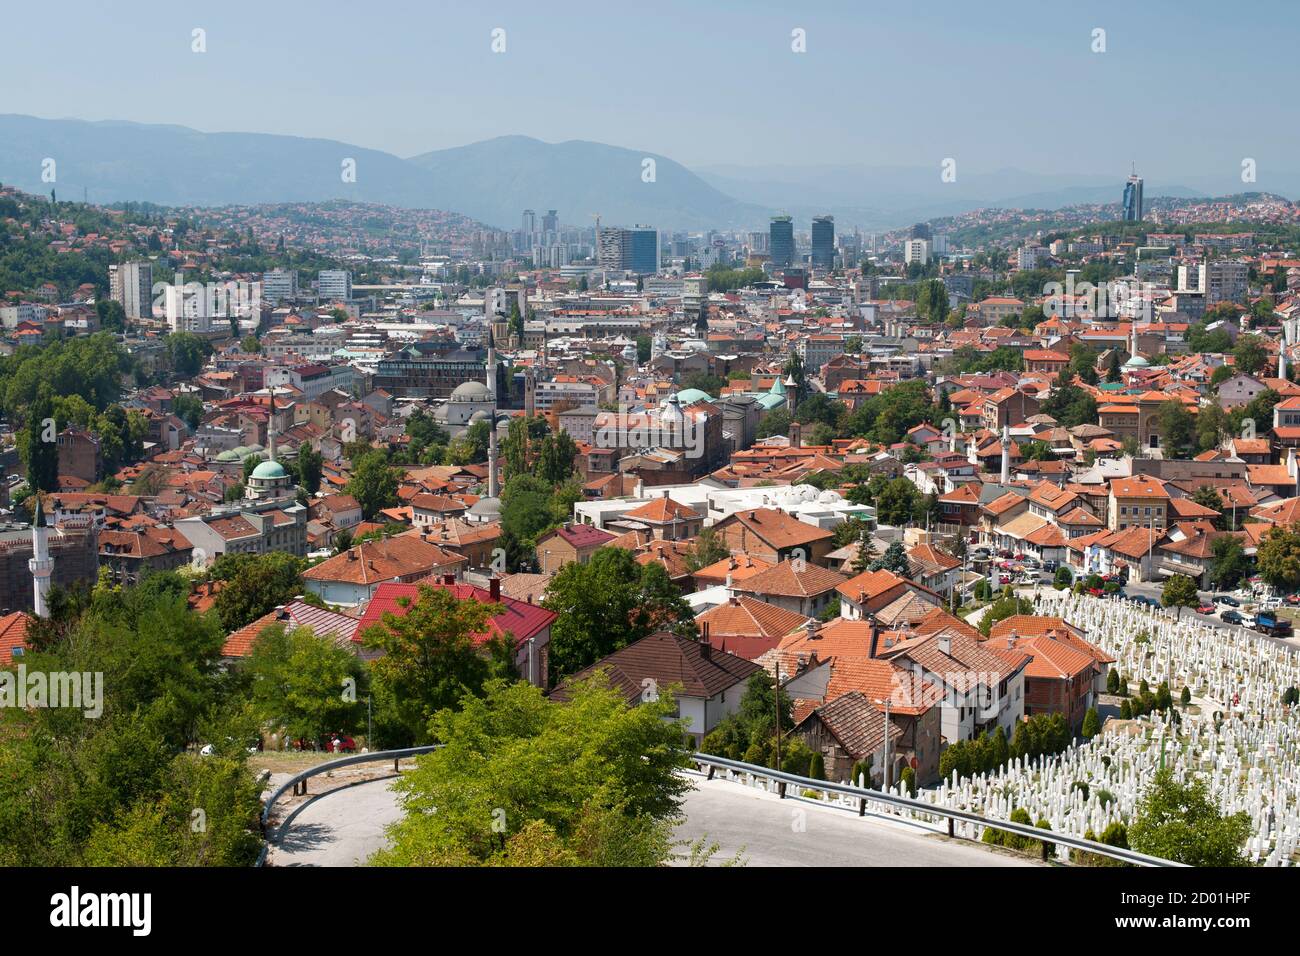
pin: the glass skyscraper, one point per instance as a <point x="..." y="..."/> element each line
<point x="823" y="242"/>
<point x="1133" y="199"/>
<point x="781" y="242"/>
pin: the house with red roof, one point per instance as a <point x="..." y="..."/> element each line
<point x="524" y="623"/>
<point x="569" y="543"/>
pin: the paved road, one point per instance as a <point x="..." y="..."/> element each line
<point x="340" y="827"/>
<point x="345" y="826"/>
<point x="768" y="831"/>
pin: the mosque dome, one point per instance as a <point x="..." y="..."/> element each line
<point x="471" y="392"/>
<point x="270" y="471"/>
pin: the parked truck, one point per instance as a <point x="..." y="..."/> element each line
<point x="1271" y="623"/>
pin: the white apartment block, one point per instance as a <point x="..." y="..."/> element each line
<point x="131" y="285"/>
<point x="334" y="284"/>
<point x="279" y="285"/>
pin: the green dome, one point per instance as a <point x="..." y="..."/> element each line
<point x="270" y="471"/>
<point x="228" y="456"/>
<point x="689" y="396"/>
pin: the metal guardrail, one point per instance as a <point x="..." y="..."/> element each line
<point x="864" y="796"/>
<point x="299" y="784"/>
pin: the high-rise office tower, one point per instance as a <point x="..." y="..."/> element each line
<point x="551" y="225"/>
<point x="629" y="250"/>
<point x="781" y="241"/>
<point x="823" y="242"/>
<point x="921" y="231"/>
<point x="1133" y="199"/>
<point x="530" y="222"/>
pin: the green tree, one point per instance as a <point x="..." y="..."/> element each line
<point x="1249" y="354"/>
<point x="305" y="684"/>
<point x="606" y="604"/>
<point x="373" y="483"/>
<point x="1230" y="563"/>
<point x="432" y="656"/>
<point x="1178" y="822"/>
<point x="1278" y="557"/>
<point x="522" y="781"/>
<point x="894" y="559"/>
<point x="706" y="550"/>
<point x="1091" y="724"/>
<point x="555" y="462"/>
<point x="253" y="585"/>
<point x="1179" y="591"/>
<point x="188" y="353"/>
<point x="309" y="466"/>
<point x="1176" y="426"/>
<point x="41" y="455"/>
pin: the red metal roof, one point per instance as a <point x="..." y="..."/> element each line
<point x="518" y="618"/>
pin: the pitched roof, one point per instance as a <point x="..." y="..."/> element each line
<point x="384" y="559"/>
<point x="701" y="670"/>
<point x="856" y="723"/>
<point x="777" y="528"/>
<point x="748" y="627"/>
<point x="520" y="619"/>
<point x="792" y="579"/>
<point x="321" y="621"/>
<point x="13" y="634"/>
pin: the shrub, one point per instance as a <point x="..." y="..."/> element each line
<point x="1186" y="696"/>
<point x="1112" y="682"/>
<point x="908" y="778"/>
<point x="1125" y="710"/>
<point x="817" y="766"/>
<point x="1091" y="724"/>
<point x="1080" y="786"/>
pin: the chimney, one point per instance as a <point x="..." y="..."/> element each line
<point x="1011" y="641"/>
<point x="706" y="649"/>
<point x="449" y="579"/>
<point x="494" y="589"/>
<point x="728" y="580"/>
<point x="875" y="637"/>
<point x="945" y="643"/>
<point x="811" y="628"/>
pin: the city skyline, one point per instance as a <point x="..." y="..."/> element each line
<point x="991" y="118"/>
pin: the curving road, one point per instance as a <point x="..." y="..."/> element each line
<point x="765" y="830"/>
<point x="343" y="827"/>
<point x="340" y="827"/>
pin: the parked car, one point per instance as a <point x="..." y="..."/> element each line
<point x="1292" y="599"/>
<point x="1227" y="600"/>
<point x="340" y="743"/>
<point x="1230" y="616"/>
<point x="1050" y="565"/>
<point x="1096" y="592"/>
<point x="1205" y="609"/>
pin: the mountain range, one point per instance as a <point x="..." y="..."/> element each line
<point x="493" y="181"/>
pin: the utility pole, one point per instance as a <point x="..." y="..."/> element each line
<point x="776" y="697"/>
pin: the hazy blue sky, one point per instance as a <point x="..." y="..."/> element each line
<point x="1186" y="88"/>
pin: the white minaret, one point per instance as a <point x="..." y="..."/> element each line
<point x="270" y="429"/>
<point x="493" y="491"/>
<point x="41" y="564"/>
<point x="1006" y="454"/>
<point x="1281" y="352"/>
